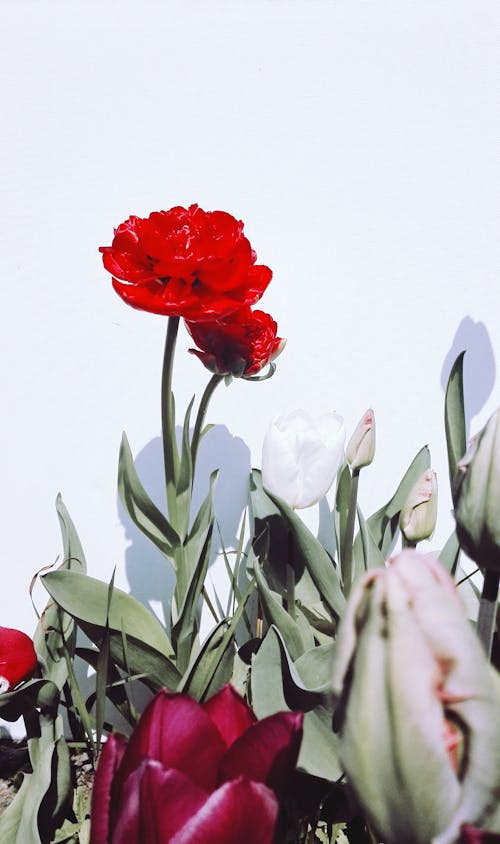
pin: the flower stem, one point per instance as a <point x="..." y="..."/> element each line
<point x="349" y="534"/>
<point x="200" y="418"/>
<point x="488" y="610"/>
<point x="290" y="579"/>
<point x="170" y="455"/>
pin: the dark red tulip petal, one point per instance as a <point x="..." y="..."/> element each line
<point x="267" y="752"/>
<point x="241" y="343"/>
<point x="472" y="835"/>
<point x="18" y="659"/>
<point x="239" y="811"/>
<point x="155" y="804"/>
<point x="176" y="731"/>
<point x="230" y="713"/>
<point x="109" y="761"/>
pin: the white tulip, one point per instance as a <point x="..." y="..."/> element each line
<point x="301" y="456"/>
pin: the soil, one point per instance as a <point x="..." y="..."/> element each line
<point x="14" y="762"/>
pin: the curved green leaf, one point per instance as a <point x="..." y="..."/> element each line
<point x="275" y="613"/>
<point x="148" y="648"/>
<point x="34" y="693"/>
<point x="277" y="686"/>
<point x="140" y="508"/>
<point x="454" y="416"/>
<point x="384" y="524"/>
<point x="308" y="551"/>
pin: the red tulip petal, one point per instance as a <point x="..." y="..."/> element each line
<point x="267" y="752"/>
<point x="472" y="835"/>
<point x="175" y="730"/>
<point x="230" y="713"/>
<point x="155" y="804"/>
<point x="239" y="811"/>
<point x="109" y="760"/>
<point x="18" y="659"/>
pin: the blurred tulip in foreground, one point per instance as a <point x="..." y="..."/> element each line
<point x="18" y="659"/>
<point x="301" y="457"/>
<point x="417" y="706"/>
<point x="194" y="772"/>
<point x="476" y="496"/>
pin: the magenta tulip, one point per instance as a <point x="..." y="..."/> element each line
<point x="195" y="773"/>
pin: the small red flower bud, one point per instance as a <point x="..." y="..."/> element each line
<point x="240" y="344"/>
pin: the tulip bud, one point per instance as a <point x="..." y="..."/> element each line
<point x="18" y="659"/>
<point x="476" y="496"/>
<point x="417" y="519"/>
<point x="361" y="447"/>
<point x="301" y="457"/>
<point x="417" y="706"/>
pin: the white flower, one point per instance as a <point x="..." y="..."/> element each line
<point x="301" y="456"/>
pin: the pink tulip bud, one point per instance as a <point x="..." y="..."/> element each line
<point x="418" y="706"/>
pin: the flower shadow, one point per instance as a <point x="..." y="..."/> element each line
<point x="479" y="365"/>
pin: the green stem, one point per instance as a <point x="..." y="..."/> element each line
<point x="170" y="455"/>
<point x="349" y="534"/>
<point x="290" y="579"/>
<point x="202" y="411"/>
<point x="488" y="610"/>
<point x="407" y="543"/>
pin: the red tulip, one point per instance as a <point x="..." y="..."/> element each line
<point x="193" y="772"/>
<point x="18" y="659"/>
<point x="239" y="344"/>
<point x="472" y="835"/>
<point x="185" y="262"/>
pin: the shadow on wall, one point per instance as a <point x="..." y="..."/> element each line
<point x="479" y="365"/>
<point x="149" y="574"/>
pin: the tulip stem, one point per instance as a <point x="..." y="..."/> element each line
<point x="488" y="610"/>
<point x="200" y="418"/>
<point x="346" y="558"/>
<point x="290" y="579"/>
<point x="170" y="456"/>
<point x="408" y="543"/>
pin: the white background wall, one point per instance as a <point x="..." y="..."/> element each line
<point x="357" y="139"/>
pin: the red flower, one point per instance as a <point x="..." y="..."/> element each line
<point x="472" y="835"/>
<point x="185" y="262"/>
<point x="195" y="773"/>
<point x="239" y="344"/>
<point x="18" y="659"/>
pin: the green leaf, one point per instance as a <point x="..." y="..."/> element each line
<point x="275" y="612"/>
<point x="449" y="555"/>
<point x="212" y="667"/>
<point x="140" y="508"/>
<point x="45" y="794"/>
<point x="191" y="574"/>
<point x="307" y="549"/>
<point x="384" y="524"/>
<point x="115" y="686"/>
<point x="185" y="479"/>
<point x="26" y="698"/>
<point x="56" y="632"/>
<point x="277" y="686"/>
<point x="148" y="647"/>
<point x="454" y="416"/>
<point x="371" y="557"/>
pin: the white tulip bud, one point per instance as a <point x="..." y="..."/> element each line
<point x="301" y="456"/>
